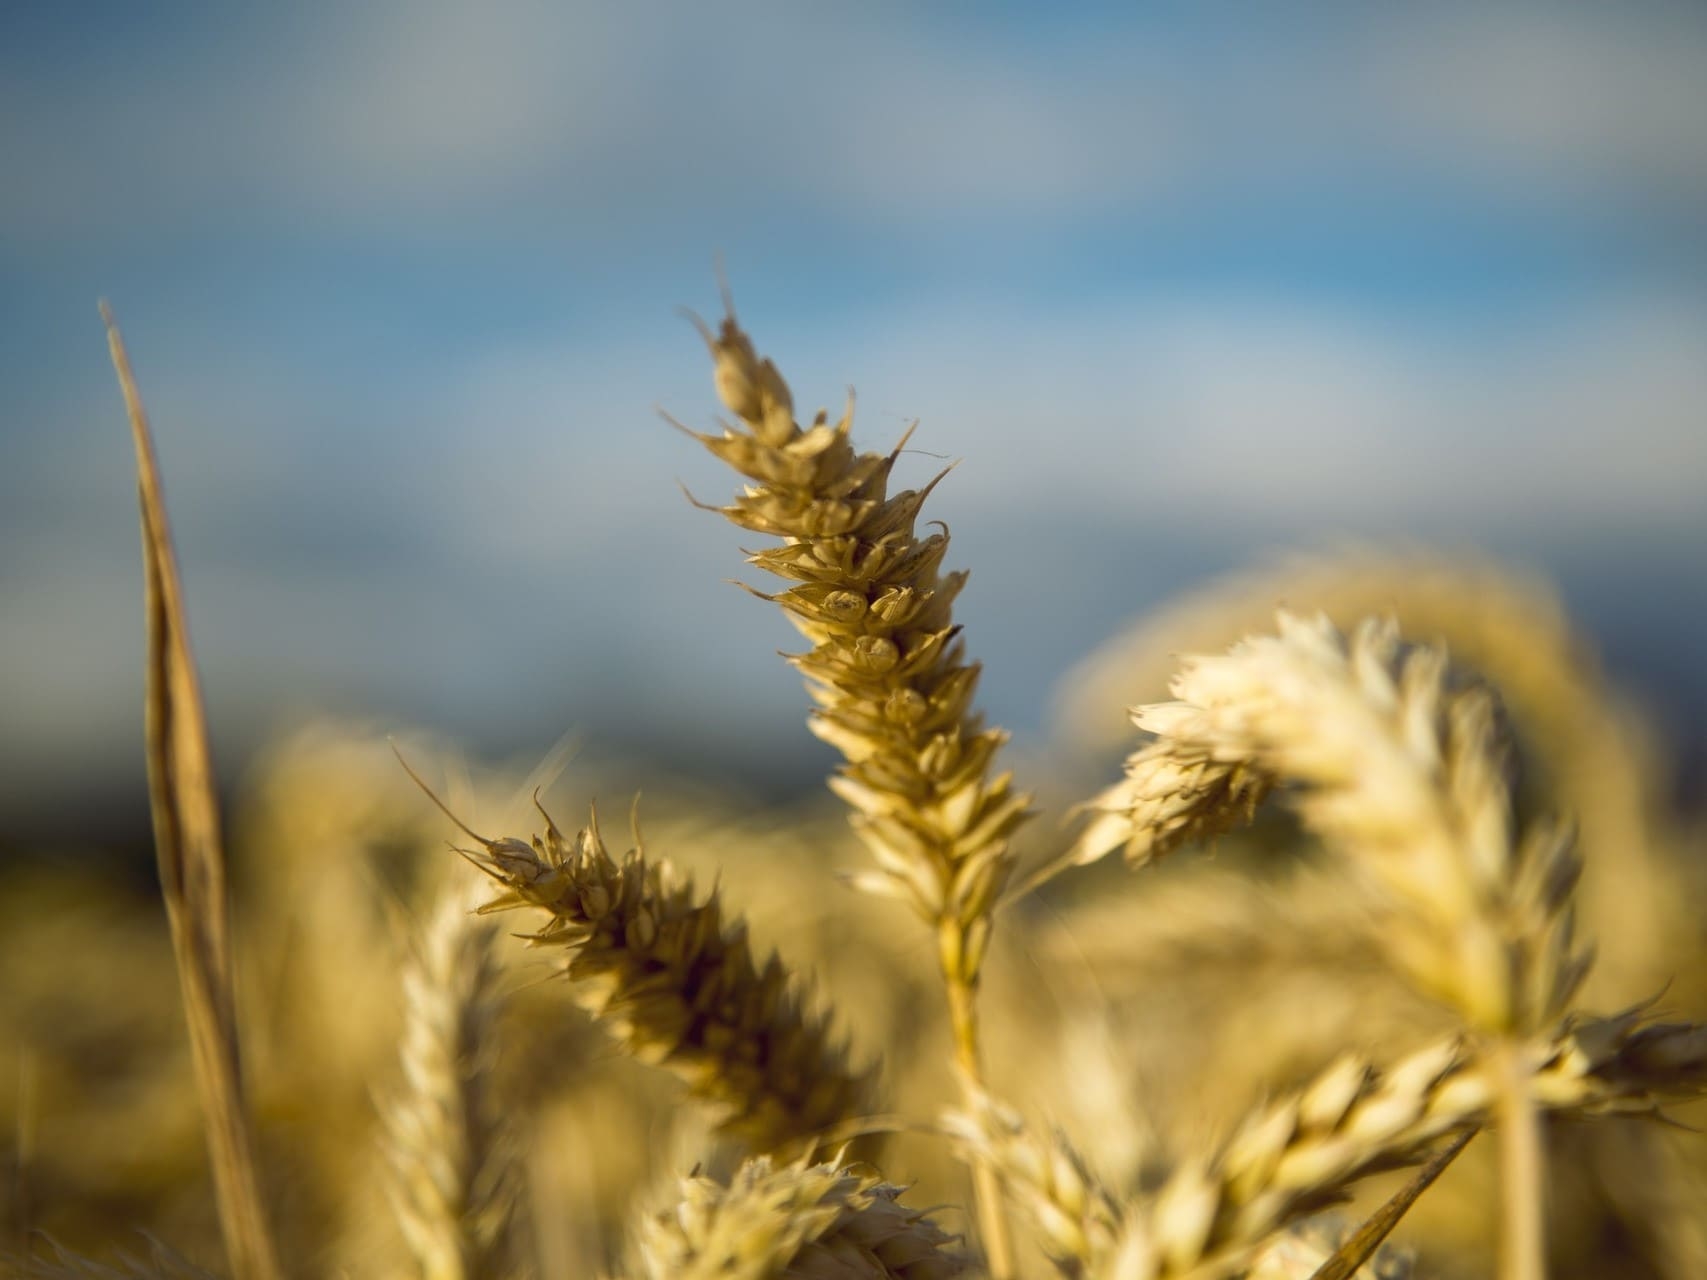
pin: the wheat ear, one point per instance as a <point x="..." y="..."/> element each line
<point x="453" y="1163"/>
<point x="814" y="1222"/>
<point x="1512" y="630"/>
<point x="1290" y="1158"/>
<point x="677" y="984"/>
<point x="1405" y="777"/>
<point x="887" y="669"/>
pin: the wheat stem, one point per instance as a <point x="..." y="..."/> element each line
<point x="1523" y="1235"/>
<point x="986" y="1185"/>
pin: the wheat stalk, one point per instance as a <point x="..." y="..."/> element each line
<point x="453" y="1162"/>
<point x="887" y="670"/>
<point x="814" y="1222"/>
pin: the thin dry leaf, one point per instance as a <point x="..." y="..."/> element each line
<point x="192" y="859"/>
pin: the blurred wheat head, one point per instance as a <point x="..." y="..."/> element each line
<point x="754" y="1080"/>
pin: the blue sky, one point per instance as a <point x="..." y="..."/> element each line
<point x="1180" y="285"/>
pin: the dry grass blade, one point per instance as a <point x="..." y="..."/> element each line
<point x="192" y="859"/>
<point x="1361" y="1245"/>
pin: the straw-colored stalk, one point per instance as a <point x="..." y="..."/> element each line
<point x="454" y="1165"/>
<point x="887" y="670"/>
<point x="677" y="985"/>
<point x="812" y="1222"/>
<point x="1289" y="1158"/>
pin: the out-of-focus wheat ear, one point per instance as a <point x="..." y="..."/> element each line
<point x="1077" y="1220"/>
<point x="676" y="983"/>
<point x="454" y="1162"/>
<point x="191" y="859"/>
<point x="1511" y="628"/>
<point x="808" y="1221"/>
<point x="1292" y="1157"/>
<point x="1402" y="773"/>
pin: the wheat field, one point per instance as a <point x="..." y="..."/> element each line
<point x="1382" y="956"/>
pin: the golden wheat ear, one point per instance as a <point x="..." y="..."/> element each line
<point x="676" y="983"/>
<point x="191" y="857"/>
<point x="1582" y="747"/>
<point x="887" y="668"/>
<point x="888" y="672"/>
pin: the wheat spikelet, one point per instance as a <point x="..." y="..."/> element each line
<point x="454" y="1167"/>
<point x="1405" y="777"/>
<point x="813" y="1222"/>
<point x="887" y="668"/>
<point x="1290" y="1158"/>
<point x="1174" y="794"/>
<point x="677" y="984"/>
